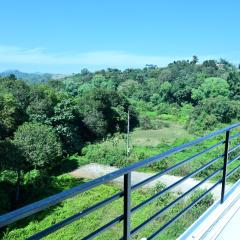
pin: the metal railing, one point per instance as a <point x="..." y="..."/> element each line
<point x="125" y="217"/>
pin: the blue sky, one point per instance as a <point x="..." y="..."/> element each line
<point x="63" y="36"/>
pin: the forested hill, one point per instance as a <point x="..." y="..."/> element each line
<point x="32" y="77"/>
<point x="210" y="89"/>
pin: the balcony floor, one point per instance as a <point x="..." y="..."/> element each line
<point x="232" y="228"/>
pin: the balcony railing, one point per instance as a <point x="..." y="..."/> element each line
<point x="128" y="188"/>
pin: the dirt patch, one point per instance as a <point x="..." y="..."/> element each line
<point x="94" y="170"/>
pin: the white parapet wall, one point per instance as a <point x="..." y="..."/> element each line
<point x="210" y="225"/>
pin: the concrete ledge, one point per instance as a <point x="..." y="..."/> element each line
<point x="212" y="222"/>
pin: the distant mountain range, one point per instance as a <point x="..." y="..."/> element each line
<point x="33" y="77"/>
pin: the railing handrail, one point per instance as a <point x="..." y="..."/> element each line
<point x="59" y="197"/>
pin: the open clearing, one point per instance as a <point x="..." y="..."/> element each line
<point x="94" y="170"/>
<point x="153" y="138"/>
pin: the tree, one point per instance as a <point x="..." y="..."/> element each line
<point x="234" y="85"/>
<point x="165" y="91"/>
<point x="99" y="81"/>
<point x="12" y="77"/>
<point x="227" y="65"/>
<point x="104" y="112"/>
<point x="39" y="145"/>
<point x="210" y="63"/>
<point x="68" y="123"/>
<point x="18" y="92"/>
<point x="11" y="159"/>
<point x="210" y="68"/>
<point x="43" y="99"/>
<point x="194" y="60"/>
<point x="211" y="87"/>
<point x="8" y="115"/>
<point x="128" y="88"/>
<point x="209" y="112"/>
<point x="95" y="122"/>
<point x="95" y="106"/>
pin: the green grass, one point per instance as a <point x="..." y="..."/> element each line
<point x="151" y="114"/>
<point x="93" y="221"/>
<point x="154" y="138"/>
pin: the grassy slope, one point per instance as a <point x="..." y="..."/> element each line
<point x="84" y="226"/>
<point x="153" y="138"/>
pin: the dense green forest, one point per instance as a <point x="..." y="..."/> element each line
<point x="46" y="128"/>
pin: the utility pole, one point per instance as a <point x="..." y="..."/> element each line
<point x="128" y="129"/>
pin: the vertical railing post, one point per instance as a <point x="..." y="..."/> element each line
<point x="127" y="206"/>
<point x="225" y="161"/>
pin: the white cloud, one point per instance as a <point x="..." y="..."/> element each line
<point x="41" y="59"/>
<point x="12" y="54"/>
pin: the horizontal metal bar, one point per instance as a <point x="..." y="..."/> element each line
<point x="234" y="148"/>
<point x="73" y="218"/>
<point x="233" y="160"/>
<point x="149" y="200"/>
<point x="165" y="171"/>
<point x="103" y="228"/>
<point x="57" y="198"/>
<point x="154" y="235"/>
<point x="233" y="171"/>
<point x="157" y="214"/>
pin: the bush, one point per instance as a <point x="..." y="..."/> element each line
<point x="106" y="154"/>
<point x="145" y="123"/>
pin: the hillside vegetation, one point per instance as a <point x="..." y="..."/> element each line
<point x="48" y="129"/>
<point x="95" y="220"/>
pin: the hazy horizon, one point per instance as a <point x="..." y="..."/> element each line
<point x="105" y="68"/>
<point x="59" y="37"/>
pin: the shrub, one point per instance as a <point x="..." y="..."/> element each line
<point x="105" y="153"/>
<point x="145" y="123"/>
